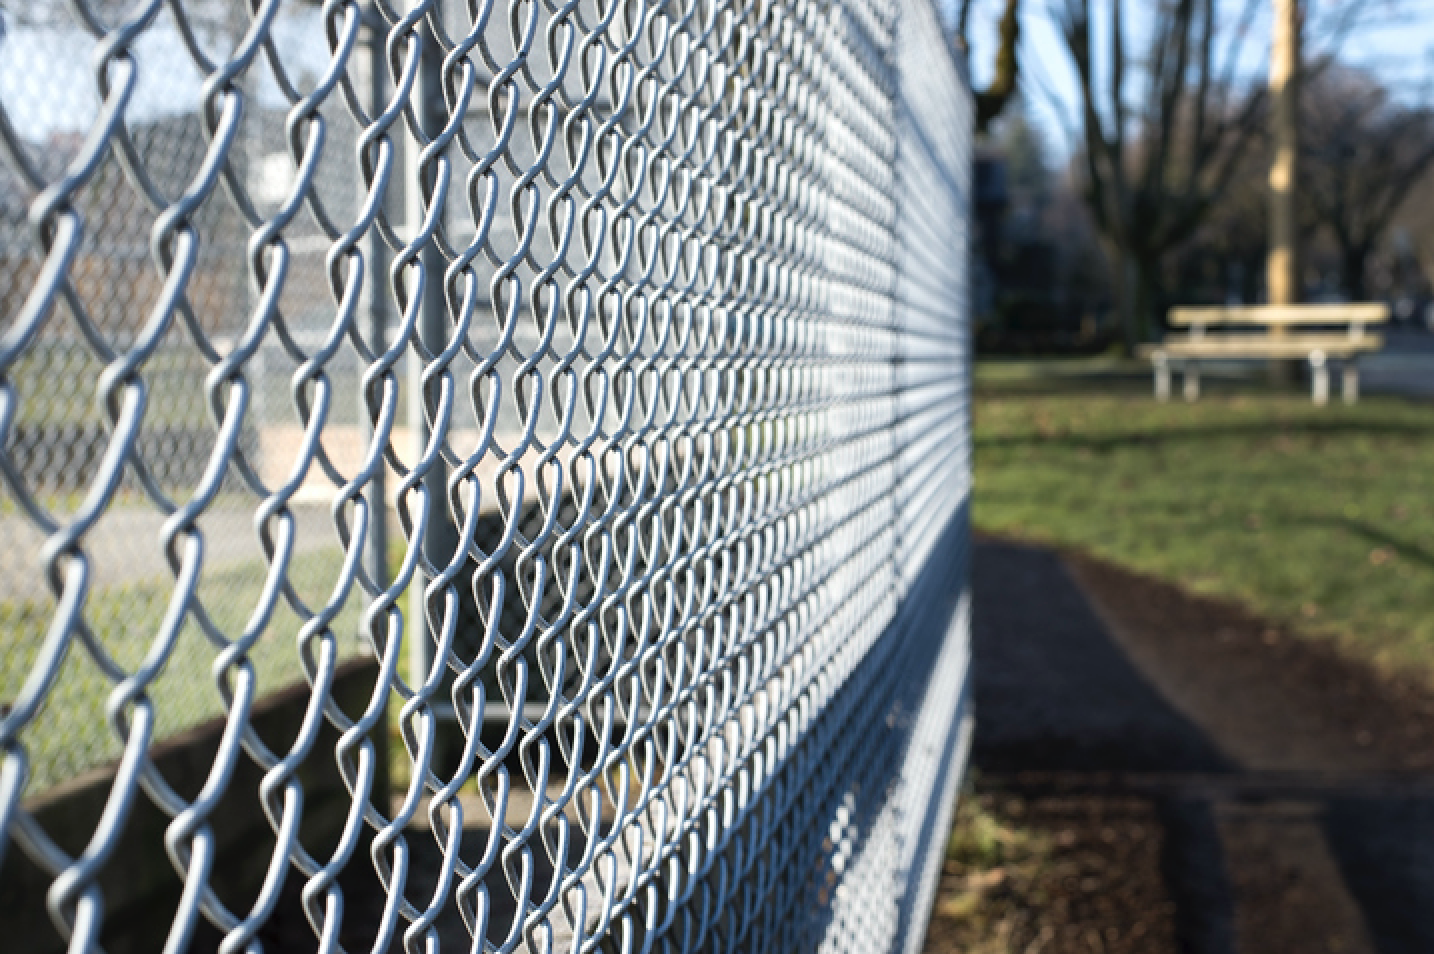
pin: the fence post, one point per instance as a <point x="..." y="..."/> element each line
<point x="375" y="302"/>
<point x="433" y="326"/>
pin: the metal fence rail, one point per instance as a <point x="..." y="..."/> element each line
<point x="596" y="369"/>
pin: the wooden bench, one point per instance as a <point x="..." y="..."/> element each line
<point x="1270" y="332"/>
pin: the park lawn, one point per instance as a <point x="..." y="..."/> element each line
<point x="72" y="733"/>
<point x="1317" y="518"/>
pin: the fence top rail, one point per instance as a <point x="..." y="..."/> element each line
<point x="1340" y="313"/>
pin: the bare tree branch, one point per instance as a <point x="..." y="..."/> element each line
<point x="1153" y="173"/>
<point x="1364" y="153"/>
<point x="963" y="20"/>
<point x="992" y="100"/>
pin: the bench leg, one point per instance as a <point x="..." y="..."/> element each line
<point x="1192" y="381"/>
<point x="1319" y="378"/>
<point x="1351" y="383"/>
<point x="1161" y="360"/>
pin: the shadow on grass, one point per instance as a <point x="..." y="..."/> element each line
<point x="1403" y="549"/>
<point x="1157" y="436"/>
<point x="995" y="381"/>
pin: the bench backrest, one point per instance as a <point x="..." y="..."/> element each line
<point x="1356" y="316"/>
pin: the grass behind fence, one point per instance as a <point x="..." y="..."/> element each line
<point x="72" y="733"/>
<point x="1317" y="517"/>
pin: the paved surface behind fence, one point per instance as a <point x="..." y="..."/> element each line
<point x="125" y="547"/>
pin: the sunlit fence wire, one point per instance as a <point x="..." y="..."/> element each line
<point x="638" y="325"/>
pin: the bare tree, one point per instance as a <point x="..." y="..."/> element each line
<point x="992" y="100"/>
<point x="1224" y="259"/>
<point x="1158" y="155"/>
<point x="1363" y="153"/>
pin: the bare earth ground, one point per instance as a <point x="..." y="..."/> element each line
<point x="1270" y="699"/>
<point x="1055" y="874"/>
<point x="1176" y="765"/>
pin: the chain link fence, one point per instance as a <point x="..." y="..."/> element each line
<point x="597" y="370"/>
<point x="60" y="431"/>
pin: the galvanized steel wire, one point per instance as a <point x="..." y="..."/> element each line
<point x="643" y="321"/>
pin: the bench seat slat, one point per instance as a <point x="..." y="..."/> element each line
<point x="1363" y="313"/>
<point x="1262" y="346"/>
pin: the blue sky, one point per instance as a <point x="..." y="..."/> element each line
<point x="1395" y="41"/>
<point x="46" y="83"/>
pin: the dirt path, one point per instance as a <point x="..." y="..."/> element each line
<point x="1294" y="789"/>
<point x="1274" y="702"/>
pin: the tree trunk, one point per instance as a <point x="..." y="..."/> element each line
<point x="1145" y="278"/>
<point x="1353" y="259"/>
<point x="1123" y="283"/>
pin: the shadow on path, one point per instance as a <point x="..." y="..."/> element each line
<point x="1053" y="691"/>
<point x="1385" y="849"/>
<point x="1055" y="694"/>
<point x="1063" y="706"/>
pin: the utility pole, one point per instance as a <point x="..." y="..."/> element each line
<point x="1282" y="267"/>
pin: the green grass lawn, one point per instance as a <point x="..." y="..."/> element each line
<point x="1321" y="518"/>
<point x="72" y="734"/>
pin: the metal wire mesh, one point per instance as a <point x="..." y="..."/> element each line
<point x="640" y="323"/>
